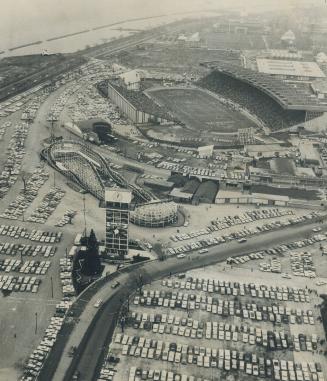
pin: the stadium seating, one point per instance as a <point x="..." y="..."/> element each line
<point x="141" y="102"/>
<point x="253" y="100"/>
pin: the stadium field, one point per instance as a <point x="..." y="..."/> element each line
<point x="199" y="110"/>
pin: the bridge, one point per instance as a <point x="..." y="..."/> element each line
<point x="78" y="162"/>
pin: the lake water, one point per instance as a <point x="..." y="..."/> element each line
<point x="28" y="21"/>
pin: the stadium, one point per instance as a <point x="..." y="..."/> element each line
<point x="229" y="98"/>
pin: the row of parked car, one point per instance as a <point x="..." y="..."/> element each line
<point x="245" y="258"/>
<point x="88" y="105"/>
<point x="37" y="358"/>
<point x="235" y="288"/>
<point x="35" y="362"/>
<point x="60" y="102"/>
<point x="275" y="313"/>
<point x="138" y="374"/>
<point x="204" y="243"/>
<point x="177" y="165"/>
<point x="19" y="283"/>
<point x="65" y="269"/>
<point x="218" y="358"/>
<point x="274" y="265"/>
<point x="302" y="264"/>
<point x="34" y="235"/>
<point x="67" y="218"/>
<point x="27" y="195"/>
<point x="16" y="103"/>
<point x="32" y="107"/>
<point x="194" y="329"/>
<point x="27" y="250"/>
<point x="16" y="151"/>
<point x="28" y="267"/>
<point x="47" y="206"/>
<point x="3" y="128"/>
<point x="249" y="216"/>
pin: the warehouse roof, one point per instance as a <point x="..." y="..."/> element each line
<point x="289" y="68"/>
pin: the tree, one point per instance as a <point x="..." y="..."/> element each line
<point x="92" y="243"/>
<point x="157" y="247"/>
<point x="92" y="263"/>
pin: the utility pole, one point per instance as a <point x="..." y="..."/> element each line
<point x="52" y="129"/>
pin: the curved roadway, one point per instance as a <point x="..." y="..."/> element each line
<point x="96" y="326"/>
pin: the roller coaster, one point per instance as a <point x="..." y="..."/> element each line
<point x="88" y="169"/>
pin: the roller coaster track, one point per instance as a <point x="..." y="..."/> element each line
<point x="97" y="192"/>
<point x="70" y="152"/>
<point x="141" y="193"/>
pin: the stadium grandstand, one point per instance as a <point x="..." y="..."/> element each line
<point x="136" y="105"/>
<point x="277" y="103"/>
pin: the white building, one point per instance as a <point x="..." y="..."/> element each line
<point x="132" y="79"/>
<point x="288" y="37"/>
<point x="205" y="152"/>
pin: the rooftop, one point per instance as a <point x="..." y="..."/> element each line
<point x="265" y="148"/>
<point x="289" y="68"/>
<point x="289" y="96"/>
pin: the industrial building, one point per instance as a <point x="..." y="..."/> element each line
<point x="285" y="69"/>
<point x="238" y="197"/>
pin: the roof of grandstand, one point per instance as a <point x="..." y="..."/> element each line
<point x="141" y="102"/>
<point x="289" y="68"/>
<point x="289" y="96"/>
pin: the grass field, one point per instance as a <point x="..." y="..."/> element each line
<point x="198" y="110"/>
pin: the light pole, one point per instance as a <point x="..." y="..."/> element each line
<point x="35" y="322"/>
<point x="51" y="287"/>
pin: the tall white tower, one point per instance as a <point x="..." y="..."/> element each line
<point x="117" y="201"/>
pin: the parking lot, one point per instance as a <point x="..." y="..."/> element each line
<point x="208" y="236"/>
<point x="226" y="322"/>
<point x="31" y="280"/>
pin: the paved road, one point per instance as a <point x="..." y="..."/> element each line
<point x="103" y="323"/>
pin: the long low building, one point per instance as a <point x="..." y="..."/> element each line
<point x="136" y="106"/>
<point x="237" y="197"/>
<point x="284" y="69"/>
